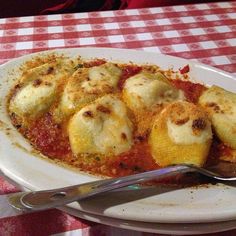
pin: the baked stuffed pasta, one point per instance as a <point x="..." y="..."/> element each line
<point x="116" y="119"/>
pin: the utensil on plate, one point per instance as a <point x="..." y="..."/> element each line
<point x="45" y="199"/>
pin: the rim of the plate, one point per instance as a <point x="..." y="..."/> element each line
<point x="106" y="49"/>
<point x="149" y="227"/>
<point x="152" y="227"/>
<point x="26" y="182"/>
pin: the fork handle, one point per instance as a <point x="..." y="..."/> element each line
<point x="42" y="200"/>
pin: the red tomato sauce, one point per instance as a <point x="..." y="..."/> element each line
<point x="128" y="71"/>
<point x="136" y="160"/>
<point x="96" y="62"/>
<point x="191" y="91"/>
<point x="49" y="138"/>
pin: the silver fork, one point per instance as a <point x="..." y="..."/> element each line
<point x="45" y="199"/>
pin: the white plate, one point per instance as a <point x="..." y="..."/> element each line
<point x="189" y="205"/>
<point x="160" y="228"/>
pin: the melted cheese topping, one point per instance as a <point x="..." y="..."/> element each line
<point x="38" y="90"/>
<point x="184" y="134"/>
<point x="36" y="73"/>
<point x="144" y="90"/>
<point x="87" y="84"/>
<point x="221" y="105"/>
<point x="102" y="127"/>
<point x="31" y="101"/>
<point x="188" y="124"/>
<point x="102" y="77"/>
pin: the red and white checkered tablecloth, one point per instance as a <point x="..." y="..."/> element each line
<point x="203" y="32"/>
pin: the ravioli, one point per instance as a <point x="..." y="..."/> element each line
<point x="181" y="134"/>
<point x="37" y="90"/>
<point x="103" y="127"/>
<point x="221" y="106"/>
<point x="144" y="90"/>
<point x="87" y="84"/>
<point x="37" y="72"/>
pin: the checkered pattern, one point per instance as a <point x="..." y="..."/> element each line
<point x="203" y="32"/>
